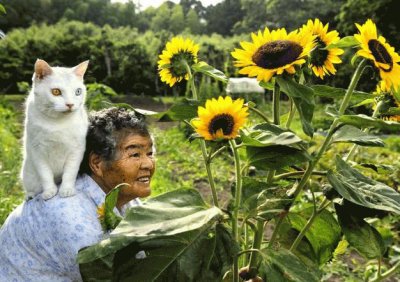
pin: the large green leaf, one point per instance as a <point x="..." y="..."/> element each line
<point x="362" y="236"/>
<point x="264" y="200"/>
<point x="351" y="134"/>
<point x="364" y="121"/>
<point x="205" y="68"/>
<point x="361" y="190"/>
<point x="323" y="235"/>
<point x="276" y="156"/>
<point x="178" y="234"/>
<point x="266" y="134"/>
<point x="303" y="97"/>
<point x="345" y="42"/>
<point x="282" y="265"/>
<point x="2" y="9"/>
<point x="336" y="93"/>
<point x="183" y="110"/>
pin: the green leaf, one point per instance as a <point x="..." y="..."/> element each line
<point x="2" y="9"/>
<point x="303" y="97"/>
<point x="276" y="156"/>
<point x="364" y="102"/>
<point x="336" y="93"/>
<point x="345" y="42"/>
<point x="111" y="220"/>
<point x="267" y="85"/>
<point x="351" y="134"/>
<point x="183" y="110"/>
<point x="364" y="121"/>
<point x="265" y="134"/>
<point x="361" y="190"/>
<point x="177" y="232"/>
<point x="393" y="111"/>
<point x="360" y="235"/>
<point x="260" y="199"/>
<point x="205" y="68"/>
<point x="282" y="265"/>
<point x="323" y="235"/>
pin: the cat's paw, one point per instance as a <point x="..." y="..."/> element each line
<point x="49" y="192"/>
<point x="66" y="191"/>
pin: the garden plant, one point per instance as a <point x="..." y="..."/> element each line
<point x="267" y="232"/>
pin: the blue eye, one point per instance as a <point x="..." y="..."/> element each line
<point x="78" y="91"/>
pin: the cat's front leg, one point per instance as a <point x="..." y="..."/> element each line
<point x="46" y="177"/>
<point x="70" y="173"/>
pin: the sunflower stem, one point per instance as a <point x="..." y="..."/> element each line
<point x="275" y="101"/>
<point x="388" y="273"/>
<point x="206" y="157"/>
<point x="258" y="238"/>
<point x="354" y="148"/>
<point x="292" y="112"/>
<point x="237" y="200"/>
<point x="191" y="80"/>
<point x="310" y="221"/>
<point x="261" y="114"/>
<point x="238" y="190"/>
<point x="325" y="145"/>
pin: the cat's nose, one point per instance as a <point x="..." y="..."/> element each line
<point x="69" y="106"/>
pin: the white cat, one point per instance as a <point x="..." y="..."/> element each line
<point x="56" y="123"/>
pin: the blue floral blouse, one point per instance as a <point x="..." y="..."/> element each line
<point x="40" y="239"/>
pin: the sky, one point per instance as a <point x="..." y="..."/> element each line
<point x="155" y="3"/>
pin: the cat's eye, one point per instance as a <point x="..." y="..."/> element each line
<point x="78" y="91"/>
<point x="56" y="92"/>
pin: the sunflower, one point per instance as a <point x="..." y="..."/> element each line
<point x="220" y="119"/>
<point x="376" y="49"/>
<point x="322" y="60"/>
<point x="273" y="52"/>
<point x="177" y="55"/>
<point x="389" y="100"/>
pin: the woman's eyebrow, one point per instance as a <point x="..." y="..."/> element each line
<point x="137" y="146"/>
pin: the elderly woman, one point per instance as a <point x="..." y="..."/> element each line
<point x="40" y="239"/>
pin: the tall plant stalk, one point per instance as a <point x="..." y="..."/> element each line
<point x="325" y="145"/>
<point x="259" y="233"/>
<point x="203" y="147"/>
<point x="237" y="200"/>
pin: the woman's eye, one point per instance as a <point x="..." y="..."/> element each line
<point x="135" y="155"/>
<point x="56" y="92"/>
<point x="78" y="91"/>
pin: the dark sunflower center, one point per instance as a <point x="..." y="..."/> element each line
<point x="178" y="68"/>
<point x="380" y="53"/>
<point x="276" y="54"/>
<point x="221" y="121"/>
<point x="319" y="55"/>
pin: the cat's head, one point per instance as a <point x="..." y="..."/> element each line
<point x="59" y="90"/>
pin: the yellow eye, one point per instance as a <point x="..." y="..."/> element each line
<point x="56" y="92"/>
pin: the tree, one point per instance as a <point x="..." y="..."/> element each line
<point x="291" y="14"/>
<point x="222" y="17"/>
<point x="255" y="16"/>
<point x="193" y="22"/>
<point x="161" y="19"/>
<point x="177" y="20"/>
<point x="381" y="12"/>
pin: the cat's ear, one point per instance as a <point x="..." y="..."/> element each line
<point x="80" y="69"/>
<point x="42" y="69"/>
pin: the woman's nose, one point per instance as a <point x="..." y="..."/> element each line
<point x="147" y="162"/>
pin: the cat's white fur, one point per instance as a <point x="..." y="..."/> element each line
<point x="55" y="130"/>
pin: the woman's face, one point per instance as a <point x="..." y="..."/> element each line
<point x="134" y="165"/>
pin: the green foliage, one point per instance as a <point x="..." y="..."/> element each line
<point x="303" y="97"/>
<point x="351" y="134"/>
<point x="361" y="190"/>
<point x="179" y="235"/>
<point x="10" y="160"/>
<point x="98" y="96"/>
